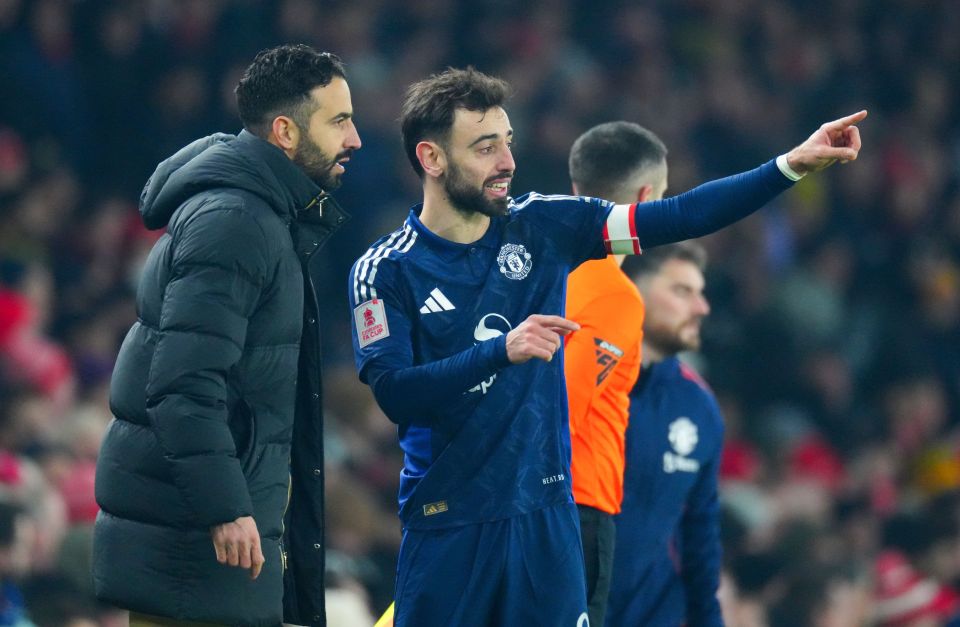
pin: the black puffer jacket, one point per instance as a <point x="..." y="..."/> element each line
<point x="224" y="354"/>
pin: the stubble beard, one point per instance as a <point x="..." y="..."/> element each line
<point x="467" y="199"/>
<point x="317" y="165"/>
<point x="669" y="342"/>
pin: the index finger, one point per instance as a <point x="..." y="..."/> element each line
<point x="843" y="123"/>
<point x="557" y="323"/>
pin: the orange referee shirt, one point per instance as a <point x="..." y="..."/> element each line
<point x="601" y="362"/>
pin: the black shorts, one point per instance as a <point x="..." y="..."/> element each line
<point x="598" y="535"/>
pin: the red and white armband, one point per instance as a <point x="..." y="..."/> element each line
<point x="620" y="231"/>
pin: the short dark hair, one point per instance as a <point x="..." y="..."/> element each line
<point x="641" y="266"/>
<point x="279" y="82"/>
<point x="608" y="155"/>
<point x="429" y="105"/>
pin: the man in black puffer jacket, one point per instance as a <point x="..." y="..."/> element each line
<point x="210" y="479"/>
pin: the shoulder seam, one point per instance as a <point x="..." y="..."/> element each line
<point x="365" y="269"/>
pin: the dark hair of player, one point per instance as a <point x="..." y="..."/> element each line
<point x="429" y="106"/>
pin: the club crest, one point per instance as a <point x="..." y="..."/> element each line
<point x="515" y="262"/>
<point x="683" y="435"/>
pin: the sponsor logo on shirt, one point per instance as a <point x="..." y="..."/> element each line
<point x="515" y="262"/>
<point x="487" y="329"/>
<point x="608" y="356"/>
<point x="371" y="322"/>
<point x="683" y="438"/>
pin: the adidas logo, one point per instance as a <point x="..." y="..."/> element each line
<point x="436" y="302"/>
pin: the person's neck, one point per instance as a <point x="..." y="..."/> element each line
<point x="444" y="220"/>
<point x="652" y="355"/>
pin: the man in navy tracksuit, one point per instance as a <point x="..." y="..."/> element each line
<point x="667" y="558"/>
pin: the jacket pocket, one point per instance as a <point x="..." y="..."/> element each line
<point x="243" y="427"/>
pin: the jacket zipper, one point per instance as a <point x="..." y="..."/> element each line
<point x="283" y="528"/>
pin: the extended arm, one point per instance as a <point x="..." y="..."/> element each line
<point x="719" y="203"/>
<point x="409" y="393"/>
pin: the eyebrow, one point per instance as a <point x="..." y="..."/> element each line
<point x="488" y="136"/>
<point x="346" y="115"/>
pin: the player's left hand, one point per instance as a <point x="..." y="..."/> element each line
<point x="834" y="141"/>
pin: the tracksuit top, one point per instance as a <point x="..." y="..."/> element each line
<point x="667" y="558"/>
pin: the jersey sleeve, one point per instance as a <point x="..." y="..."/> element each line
<point x="380" y="320"/>
<point x="408" y="392"/>
<point x="606" y="345"/>
<point x="695" y="213"/>
<point x="700" y="527"/>
<point x="574" y="224"/>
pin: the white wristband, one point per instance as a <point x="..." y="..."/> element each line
<point x="787" y="171"/>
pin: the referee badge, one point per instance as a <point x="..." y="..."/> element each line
<point x="515" y="262"/>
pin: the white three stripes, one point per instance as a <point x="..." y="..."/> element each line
<point x="366" y="269"/>
<point x="436" y="302"/>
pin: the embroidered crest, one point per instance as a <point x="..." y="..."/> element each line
<point x="515" y="262"/>
<point x="683" y="435"/>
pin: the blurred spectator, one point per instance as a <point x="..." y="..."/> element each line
<point x="905" y="598"/>
<point x="14" y="564"/>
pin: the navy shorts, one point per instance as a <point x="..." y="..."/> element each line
<point x="526" y="570"/>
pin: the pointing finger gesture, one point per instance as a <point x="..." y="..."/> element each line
<point x="834" y="141"/>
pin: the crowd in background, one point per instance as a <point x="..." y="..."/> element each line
<point x="834" y="342"/>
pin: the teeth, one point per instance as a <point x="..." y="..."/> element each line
<point x="497" y="186"/>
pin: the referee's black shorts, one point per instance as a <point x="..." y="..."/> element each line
<point x="598" y="535"/>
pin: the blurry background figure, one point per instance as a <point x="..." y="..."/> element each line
<point x="904" y="597"/>
<point x="624" y="163"/>
<point x="667" y="559"/>
<point x="15" y="541"/>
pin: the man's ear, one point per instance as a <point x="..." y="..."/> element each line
<point x="432" y="158"/>
<point x="643" y="194"/>
<point x="285" y="134"/>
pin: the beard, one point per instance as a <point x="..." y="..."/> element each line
<point x="672" y="340"/>
<point x="467" y="199"/>
<point x="317" y="165"/>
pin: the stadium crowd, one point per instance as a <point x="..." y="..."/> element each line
<point x="834" y="342"/>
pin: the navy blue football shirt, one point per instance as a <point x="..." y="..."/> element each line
<point x="499" y="446"/>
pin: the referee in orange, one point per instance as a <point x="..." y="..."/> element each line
<point x="625" y="163"/>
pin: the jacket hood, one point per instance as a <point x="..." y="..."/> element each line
<point x="241" y="161"/>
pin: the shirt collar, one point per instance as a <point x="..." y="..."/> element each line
<point x="490" y="239"/>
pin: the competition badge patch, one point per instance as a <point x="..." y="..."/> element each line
<point x="515" y="262"/>
<point x="371" y="321"/>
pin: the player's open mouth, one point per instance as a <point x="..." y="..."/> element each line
<point x="340" y="162"/>
<point x="499" y="188"/>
